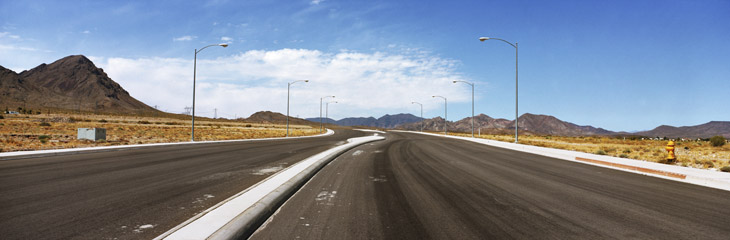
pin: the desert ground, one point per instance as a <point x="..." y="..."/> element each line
<point x="24" y="132"/>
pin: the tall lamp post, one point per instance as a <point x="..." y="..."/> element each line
<point x="516" y="46"/>
<point x="327" y="110"/>
<point x="446" y="132"/>
<point x="472" y="105"/>
<point x="287" y="103"/>
<point x="421" y="113"/>
<point x="320" y="111"/>
<point x="195" y="69"/>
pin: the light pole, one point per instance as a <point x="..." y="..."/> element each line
<point x="195" y="69"/>
<point x="446" y="132"/>
<point x="327" y="110"/>
<point x="287" y="103"/>
<point x="472" y="105"/>
<point x="516" y="46"/>
<point x="320" y="111"/>
<point x="421" y="113"/>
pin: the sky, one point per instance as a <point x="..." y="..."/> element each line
<point x="619" y="65"/>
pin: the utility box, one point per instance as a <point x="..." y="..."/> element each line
<point x="93" y="134"/>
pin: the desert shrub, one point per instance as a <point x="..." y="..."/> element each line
<point x="709" y="164"/>
<point x="725" y="169"/>
<point x="627" y="150"/>
<point x="45" y="124"/>
<point x="44" y="138"/>
<point x="102" y="121"/>
<point x="717" y="141"/>
<point x="143" y="122"/>
<point x="600" y="152"/>
<point x="248" y="125"/>
<point x="1" y="117"/>
<point x="623" y="156"/>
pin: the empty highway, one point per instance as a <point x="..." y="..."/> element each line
<point x="414" y="186"/>
<point x="137" y="193"/>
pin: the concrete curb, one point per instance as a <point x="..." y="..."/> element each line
<point x="68" y="151"/>
<point x="702" y="177"/>
<point x="239" y="216"/>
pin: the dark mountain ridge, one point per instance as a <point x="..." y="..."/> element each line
<point x="705" y="130"/>
<point x="386" y="121"/>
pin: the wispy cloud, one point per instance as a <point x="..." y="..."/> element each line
<point x="364" y="83"/>
<point x="86" y="32"/>
<point x="8" y="35"/>
<point x="226" y="39"/>
<point x="21" y="48"/>
<point x="316" y="2"/>
<point x="184" y="38"/>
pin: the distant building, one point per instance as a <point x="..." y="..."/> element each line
<point x="11" y="112"/>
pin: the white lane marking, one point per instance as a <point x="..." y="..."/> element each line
<point x="358" y="152"/>
<point x="380" y="178"/>
<point x="267" y="170"/>
<point x="325" y="197"/>
<point x="143" y="227"/>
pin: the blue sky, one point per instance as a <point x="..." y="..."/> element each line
<point x="620" y="65"/>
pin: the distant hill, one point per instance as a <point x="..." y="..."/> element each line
<point x="386" y="121"/>
<point x="706" y="130"/>
<point x="71" y="83"/>
<point x="275" y="118"/>
<point x="549" y="125"/>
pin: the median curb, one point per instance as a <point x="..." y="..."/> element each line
<point x="69" y="151"/>
<point x="240" y="215"/>
<point x="702" y="177"/>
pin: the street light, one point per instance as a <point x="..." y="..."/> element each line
<point x="320" y="111"/>
<point x="327" y="110"/>
<point x="472" y="105"/>
<point x="421" y="113"/>
<point x="195" y="69"/>
<point x="287" y="103"/>
<point x="516" y="46"/>
<point x="446" y="132"/>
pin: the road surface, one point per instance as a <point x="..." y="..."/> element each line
<point x="414" y="186"/>
<point x="137" y="193"/>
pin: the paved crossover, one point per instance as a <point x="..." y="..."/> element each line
<point x="136" y="193"/>
<point x="413" y="186"/>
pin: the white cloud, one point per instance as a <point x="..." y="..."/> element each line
<point x="86" y="32"/>
<point x="184" y="38"/>
<point x="227" y="39"/>
<point x="365" y="83"/>
<point x="316" y="2"/>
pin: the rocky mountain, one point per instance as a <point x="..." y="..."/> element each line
<point x="386" y="121"/>
<point x="71" y="83"/>
<point x="706" y="130"/>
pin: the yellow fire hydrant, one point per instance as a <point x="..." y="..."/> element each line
<point x="670" y="150"/>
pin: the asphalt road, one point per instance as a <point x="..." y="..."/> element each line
<point x="136" y="193"/>
<point x="413" y="186"/>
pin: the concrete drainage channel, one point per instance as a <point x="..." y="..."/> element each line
<point x="240" y="215"/>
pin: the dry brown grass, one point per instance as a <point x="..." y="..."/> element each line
<point x="697" y="154"/>
<point x="23" y="132"/>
